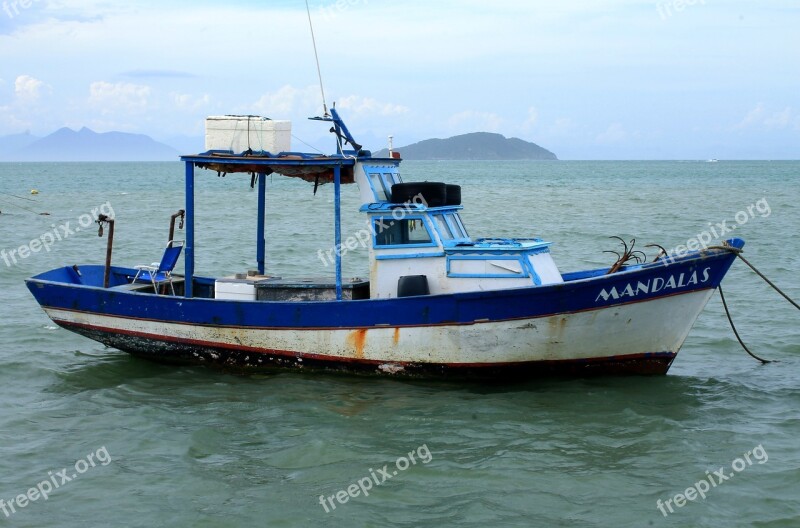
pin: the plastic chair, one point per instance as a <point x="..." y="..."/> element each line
<point x="161" y="272"/>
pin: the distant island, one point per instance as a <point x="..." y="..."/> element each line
<point x="474" y="146"/>
<point x="84" y="145"/>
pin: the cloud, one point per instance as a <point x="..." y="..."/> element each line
<point x="190" y="102"/>
<point x="112" y="98"/>
<point x="753" y="116"/>
<point x="779" y="119"/>
<point x="613" y="134"/>
<point x="27" y="107"/>
<point x="11" y="122"/>
<point x="286" y="100"/>
<point x="359" y="105"/>
<point x="472" y="121"/>
<point x="561" y="127"/>
<point x="762" y="117"/>
<point x="533" y="118"/>
<point x="28" y="89"/>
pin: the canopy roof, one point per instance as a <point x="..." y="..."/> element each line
<point x="309" y="167"/>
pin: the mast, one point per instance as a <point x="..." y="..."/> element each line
<point x="337" y="226"/>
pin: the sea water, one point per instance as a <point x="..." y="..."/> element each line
<point x="92" y="437"/>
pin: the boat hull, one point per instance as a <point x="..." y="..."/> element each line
<point x="633" y="322"/>
<point x="626" y="339"/>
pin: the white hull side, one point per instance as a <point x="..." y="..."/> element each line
<point x="656" y="326"/>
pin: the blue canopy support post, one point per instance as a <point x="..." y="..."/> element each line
<point x="189" y="249"/>
<point x="262" y="207"/>
<point x="303" y="165"/>
<point x="337" y="200"/>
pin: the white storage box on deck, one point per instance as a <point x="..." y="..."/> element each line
<point x="240" y="133"/>
<point x="241" y="287"/>
<point x="235" y="289"/>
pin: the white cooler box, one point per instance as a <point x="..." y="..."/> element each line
<point x="241" y="287"/>
<point x="238" y="133"/>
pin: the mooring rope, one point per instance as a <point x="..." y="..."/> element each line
<point x="24" y="208"/>
<point x="20" y="197"/>
<point x="738" y="253"/>
<point x="768" y="281"/>
<point x="736" y="333"/>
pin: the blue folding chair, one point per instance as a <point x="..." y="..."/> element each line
<point x="161" y="272"/>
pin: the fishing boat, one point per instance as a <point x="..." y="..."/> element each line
<point x="436" y="301"/>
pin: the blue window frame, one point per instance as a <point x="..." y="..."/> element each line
<point x="443" y="227"/>
<point x="378" y="189"/>
<point x="389" y="179"/>
<point x="381" y="180"/>
<point x="450" y="228"/>
<point x="457" y="226"/>
<point x="412" y="231"/>
<point x="507" y="273"/>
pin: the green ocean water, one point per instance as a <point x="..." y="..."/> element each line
<point x="194" y="447"/>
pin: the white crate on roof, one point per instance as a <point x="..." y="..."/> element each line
<point x="240" y="133"/>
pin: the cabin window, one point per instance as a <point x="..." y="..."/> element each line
<point x="387" y="185"/>
<point x="408" y="231"/>
<point x="381" y="180"/>
<point x="377" y="186"/>
<point x="443" y="227"/>
<point x="458" y="226"/>
<point x="388" y="181"/>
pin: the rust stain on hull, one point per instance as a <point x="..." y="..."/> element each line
<point x="356" y="339"/>
<point x="396" y="335"/>
<point x="657" y="363"/>
<point x="557" y="326"/>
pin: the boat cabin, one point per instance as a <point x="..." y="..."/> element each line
<point x="419" y="237"/>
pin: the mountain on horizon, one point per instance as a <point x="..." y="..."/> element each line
<point x="15" y="142"/>
<point x="66" y="144"/>
<point x="473" y="146"/>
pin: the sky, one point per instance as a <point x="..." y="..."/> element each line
<point x="586" y="79"/>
